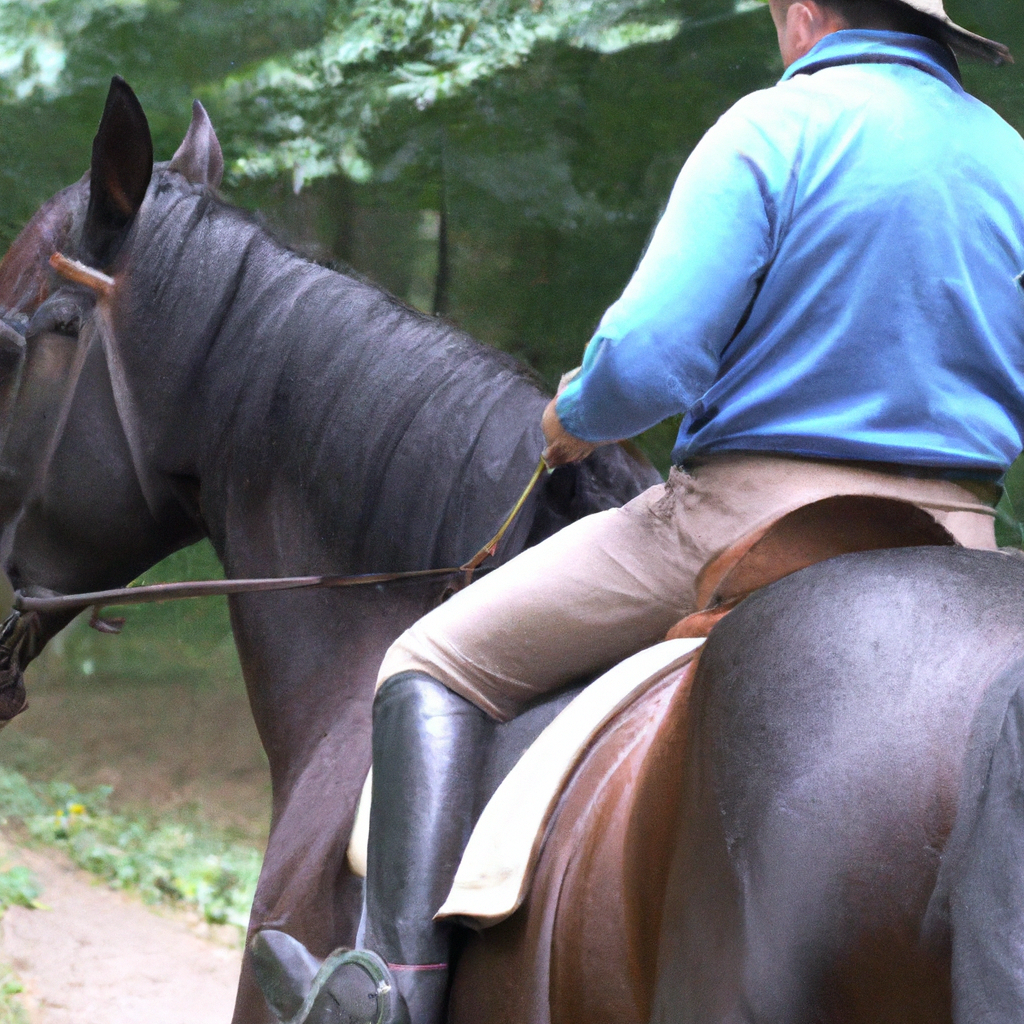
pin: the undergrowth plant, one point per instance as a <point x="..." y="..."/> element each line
<point x="18" y="887"/>
<point x="11" y="1009"/>
<point x="184" y="863"/>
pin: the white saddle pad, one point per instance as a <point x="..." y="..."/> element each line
<point x="497" y="866"/>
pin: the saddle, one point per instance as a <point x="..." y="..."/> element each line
<point x="494" y="875"/>
<point x="534" y="756"/>
<point x="840" y="525"/>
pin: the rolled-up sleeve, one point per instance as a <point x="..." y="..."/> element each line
<point x="659" y="347"/>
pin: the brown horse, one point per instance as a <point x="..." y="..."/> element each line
<point x="761" y="841"/>
<point x="306" y="422"/>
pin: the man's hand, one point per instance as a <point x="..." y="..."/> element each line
<point x="562" y="447"/>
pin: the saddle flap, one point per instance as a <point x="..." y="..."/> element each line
<point x="839" y="525"/>
<point x="497" y="866"/>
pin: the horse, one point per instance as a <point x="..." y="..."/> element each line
<point x="205" y="381"/>
<point x="820" y="824"/>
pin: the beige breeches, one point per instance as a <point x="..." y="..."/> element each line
<point x="615" y="582"/>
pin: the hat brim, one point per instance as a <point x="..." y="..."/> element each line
<point x="969" y="44"/>
<point x="972" y="45"/>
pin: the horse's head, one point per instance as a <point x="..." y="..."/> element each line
<point x="26" y="282"/>
<point x="79" y="508"/>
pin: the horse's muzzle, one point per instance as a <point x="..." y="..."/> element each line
<point x="13" y="698"/>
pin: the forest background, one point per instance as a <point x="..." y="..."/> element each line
<point x="501" y="163"/>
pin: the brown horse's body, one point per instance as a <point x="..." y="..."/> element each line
<point x="759" y="841"/>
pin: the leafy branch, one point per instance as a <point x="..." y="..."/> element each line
<point x="310" y="113"/>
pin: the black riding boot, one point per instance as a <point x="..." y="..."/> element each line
<point x="429" y="745"/>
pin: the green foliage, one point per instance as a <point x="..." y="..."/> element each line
<point x="18" y="799"/>
<point x="11" y="1009"/>
<point x="311" y="110"/>
<point x="304" y="85"/>
<point x="49" y="47"/>
<point x="177" y="862"/>
<point x="57" y="57"/>
<point x="18" y="888"/>
<point x="1010" y="524"/>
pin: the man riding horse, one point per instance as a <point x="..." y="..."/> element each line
<point x="832" y="300"/>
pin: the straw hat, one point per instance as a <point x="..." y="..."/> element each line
<point x="959" y="38"/>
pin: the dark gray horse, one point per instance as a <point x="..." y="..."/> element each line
<point x="826" y="828"/>
<point x="305" y="421"/>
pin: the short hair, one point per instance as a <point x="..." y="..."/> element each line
<point x="889" y="15"/>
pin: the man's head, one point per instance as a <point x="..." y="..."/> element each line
<point x="801" y="24"/>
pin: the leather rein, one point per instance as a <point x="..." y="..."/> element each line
<point x="102" y="285"/>
<point x="157" y="592"/>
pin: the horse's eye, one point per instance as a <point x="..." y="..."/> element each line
<point x="59" y="315"/>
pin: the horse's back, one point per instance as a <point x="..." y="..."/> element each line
<point x="764" y="847"/>
<point x="829" y="724"/>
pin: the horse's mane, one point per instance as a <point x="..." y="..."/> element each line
<point x="347" y="389"/>
<point x="439" y="326"/>
<point x="25" y="279"/>
<point x="235" y="226"/>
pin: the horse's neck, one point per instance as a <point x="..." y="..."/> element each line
<point x="302" y="397"/>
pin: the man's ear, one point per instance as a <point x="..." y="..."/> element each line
<point x="122" y="164"/>
<point x="807" y="23"/>
<point x="824" y="19"/>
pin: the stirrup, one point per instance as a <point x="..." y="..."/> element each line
<point x="389" y="1003"/>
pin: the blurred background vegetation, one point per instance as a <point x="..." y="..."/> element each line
<point x="499" y="162"/>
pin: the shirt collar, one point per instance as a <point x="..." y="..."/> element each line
<point x="871" y="46"/>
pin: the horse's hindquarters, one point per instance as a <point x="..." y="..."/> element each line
<point x="830" y="719"/>
<point x="763" y="848"/>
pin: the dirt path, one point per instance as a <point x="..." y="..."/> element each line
<point x="96" y="956"/>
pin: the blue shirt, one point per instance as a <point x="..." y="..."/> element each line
<point x="835" y="276"/>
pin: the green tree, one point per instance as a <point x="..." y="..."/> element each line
<point x="311" y="111"/>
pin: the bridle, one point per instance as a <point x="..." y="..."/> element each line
<point x="158" y="592"/>
<point x="102" y="285"/>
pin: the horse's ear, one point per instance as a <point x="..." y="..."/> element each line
<point x="122" y="164"/>
<point x="199" y="158"/>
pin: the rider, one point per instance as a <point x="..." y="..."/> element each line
<point x="832" y="301"/>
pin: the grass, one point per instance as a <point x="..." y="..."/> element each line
<point x="174" y="861"/>
<point x="18" y="887"/>
<point x="11" y="1009"/>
